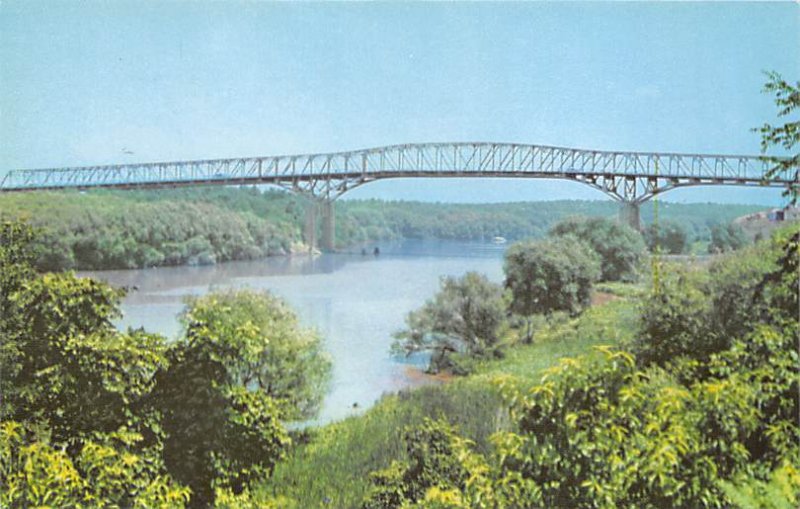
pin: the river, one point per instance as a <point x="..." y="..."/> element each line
<point x="355" y="301"/>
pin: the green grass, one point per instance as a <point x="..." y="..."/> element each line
<point x="610" y="324"/>
<point x="334" y="463"/>
<point x="620" y="289"/>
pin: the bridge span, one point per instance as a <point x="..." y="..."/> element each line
<point x="628" y="177"/>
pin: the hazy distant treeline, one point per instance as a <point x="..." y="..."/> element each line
<point x="131" y="229"/>
<point x="105" y="230"/>
<point x="376" y="219"/>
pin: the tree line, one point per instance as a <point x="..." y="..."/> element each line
<point x="136" y="229"/>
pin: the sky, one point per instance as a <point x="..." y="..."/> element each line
<point x="86" y="83"/>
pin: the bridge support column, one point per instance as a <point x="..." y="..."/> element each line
<point x="629" y="214"/>
<point x="328" y="226"/>
<point x="310" y="228"/>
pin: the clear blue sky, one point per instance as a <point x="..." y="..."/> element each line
<point x="82" y="81"/>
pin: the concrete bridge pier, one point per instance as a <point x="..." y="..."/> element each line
<point x="629" y="214"/>
<point x="328" y="226"/>
<point x="310" y="228"/>
<point x="325" y="209"/>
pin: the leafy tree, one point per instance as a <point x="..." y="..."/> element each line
<point x="281" y="359"/>
<point x="667" y="236"/>
<point x="786" y="136"/>
<point x="620" y="247"/>
<point x="463" y="317"/>
<point x="695" y="314"/>
<point x="76" y="430"/>
<point x="550" y="275"/>
<point x="16" y="267"/>
<point x="726" y="238"/>
<point x="72" y="369"/>
<point x="63" y="363"/>
<point x="222" y="397"/>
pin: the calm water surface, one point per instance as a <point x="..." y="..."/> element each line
<point x="355" y="301"/>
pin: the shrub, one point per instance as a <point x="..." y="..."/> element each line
<point x="550" y="275"/>
<point x="726" y="238"/>
<point x="668" y="237"/>
<point x="620" y="247"/>
<point x="463" y="317"/>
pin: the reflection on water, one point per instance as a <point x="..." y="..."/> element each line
<point x="355" y="301"/>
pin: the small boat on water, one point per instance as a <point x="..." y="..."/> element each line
<point x="499" y="240"/>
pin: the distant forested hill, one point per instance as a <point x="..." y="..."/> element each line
<point x="130" y="229"/>
<point x="372" y="219"/>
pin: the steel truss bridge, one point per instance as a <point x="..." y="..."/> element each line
<point x="628" y="177"/>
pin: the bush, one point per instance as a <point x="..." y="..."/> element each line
<point x="550" y="275"/>
<point x="433" y="460"/>
<point x="695" y="314"/>
<point x="667" y="237"/>
<point x="674" y="319"/>
<point x="463" y="317"/>
<point x="726" y="238"/>
<point x="276" y="355"/>
<point x="620" y="247"/>
<point x="111" y="472"/>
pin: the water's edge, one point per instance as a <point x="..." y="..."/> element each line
<point x="355" y="301"/>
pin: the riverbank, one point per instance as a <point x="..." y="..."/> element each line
<point x="355" y="302"/>
<point x="334" y="463"/>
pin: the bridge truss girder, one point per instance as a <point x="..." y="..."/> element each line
<point x="623" y="175"/>
<point x="635" y="188"/>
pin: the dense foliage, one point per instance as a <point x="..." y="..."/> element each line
<point x="127" y="229"/>
<point x="272" y="353"/>
<point x="76" y="426"/>
<point x="92" y="416"/>
<point x="666" y="237"/>
<point x="707" y="424"/>
<point x="463" y="317"/>
<point x="620" y="248"/>
<point x="550" y="275"/>
<point x="435" y="456"/>
<point x="105" y="230"/>
<point x="222" y="428"/>
<point x="726" y="238"/>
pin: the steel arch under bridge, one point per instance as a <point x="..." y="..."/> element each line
<point x="628" y="177"/>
